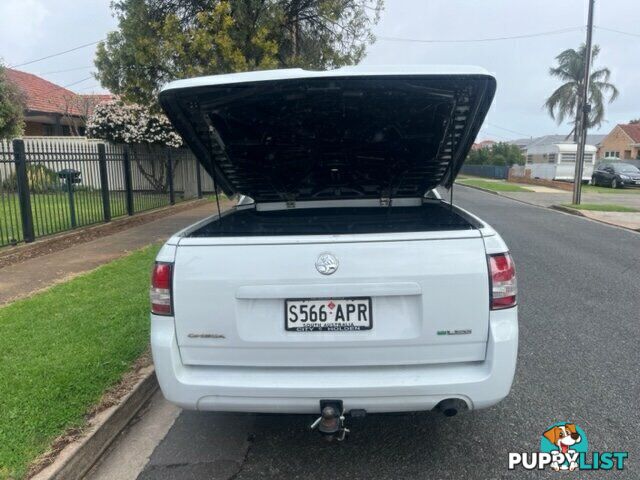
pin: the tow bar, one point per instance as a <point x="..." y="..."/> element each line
<point x="330" y="423"/>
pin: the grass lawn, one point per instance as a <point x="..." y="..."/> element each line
<point x="496" y="186"/>
<point x="51" y="213"/>
<point x="594" y="189"/>
<point x="61" y="349"/>
<point x="601" y="207"/>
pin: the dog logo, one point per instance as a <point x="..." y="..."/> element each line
<point x="564" y="447"/>
<point x="565" y="438"/>
<point x="326" y="264"/>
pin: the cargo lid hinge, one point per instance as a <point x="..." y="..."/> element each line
<point x="291" y="201"/>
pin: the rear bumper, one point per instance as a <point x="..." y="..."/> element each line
<point x="375" y="389"/>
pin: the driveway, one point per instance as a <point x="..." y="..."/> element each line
<point x="578" y="362"/>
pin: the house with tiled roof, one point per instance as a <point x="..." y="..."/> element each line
<point x="483" y="144"/>
<point x="623" y="142"/>
<point x="51" y="109"/>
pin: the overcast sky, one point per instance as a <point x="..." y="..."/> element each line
<point x="30" y="29"/>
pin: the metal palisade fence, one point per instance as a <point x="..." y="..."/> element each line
<point x="50" y="185"/>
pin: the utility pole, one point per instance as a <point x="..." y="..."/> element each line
<point x="583" y="111"/>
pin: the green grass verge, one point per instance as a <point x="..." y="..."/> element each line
<point x="598" y="189"/>
<point x="61" y="349"/>
<point x="496" y="186"/>
<point x="600" y="207"/>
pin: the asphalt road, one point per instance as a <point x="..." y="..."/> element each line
<point x="579" y="361"/>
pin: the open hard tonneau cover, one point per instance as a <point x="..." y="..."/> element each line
<point x="354" y="132"/>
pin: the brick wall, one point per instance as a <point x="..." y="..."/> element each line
<point x="618" y="141"/>
<point x="33" y="129"/>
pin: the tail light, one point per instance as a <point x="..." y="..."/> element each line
<point x="160" y="294"/>
<point x="504" y="287"/>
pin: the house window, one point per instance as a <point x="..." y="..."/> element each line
<point x="612" y="154"/>
<point x="568" y="158"/>
<point x="552" y="158"/>
<point x="529" y="158"/>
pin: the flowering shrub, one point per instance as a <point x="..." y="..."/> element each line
<point x="133" y="124"/>
<point x="119" y="122"/>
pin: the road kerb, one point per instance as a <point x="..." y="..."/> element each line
<point x="486" y="190"/>
<point x="559" y="208"/>
<point x="573" y="211"/>
<point x="75" y="460"/>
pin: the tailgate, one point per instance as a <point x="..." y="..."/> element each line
<point x="429" y="301"/>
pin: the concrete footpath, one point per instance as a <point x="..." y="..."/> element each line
<point x="25" y="278"/>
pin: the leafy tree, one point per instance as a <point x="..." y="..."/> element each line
<point x="160" y="40"/>
<point x="478" y="156"/>
<point x="563" y="102"/>
<point x="634" y="121"/>
<point x="500" y="153"/>
<point x="11" y="108"/>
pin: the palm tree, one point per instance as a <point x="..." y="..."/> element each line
<point x="563" y="102"/>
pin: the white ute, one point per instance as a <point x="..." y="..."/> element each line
<point x="341" y="279"/>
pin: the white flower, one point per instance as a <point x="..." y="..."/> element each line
<point x="118" y="122"/>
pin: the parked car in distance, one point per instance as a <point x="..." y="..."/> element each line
<point x="616" y="175"/>
<point x="341" y="282"/>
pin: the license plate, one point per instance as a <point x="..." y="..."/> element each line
<point x="328" y="314"/>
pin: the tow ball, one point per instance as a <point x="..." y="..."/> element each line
<point x="330" y="423"/>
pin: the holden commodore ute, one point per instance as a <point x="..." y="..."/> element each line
<point x="341" y="282"/>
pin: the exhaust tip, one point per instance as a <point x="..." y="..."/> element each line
<point x="451" y="406"/>
<point x="449" y="412"/>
